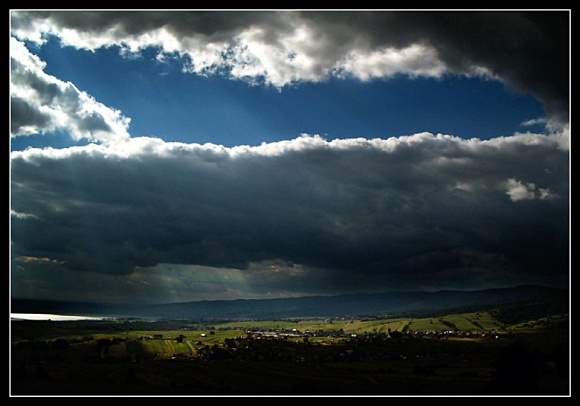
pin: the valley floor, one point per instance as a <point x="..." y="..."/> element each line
<point x="342" y="357"/>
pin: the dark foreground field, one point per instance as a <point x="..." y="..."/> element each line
<point x="347" y="357"/>
<point x="269" y="378"/>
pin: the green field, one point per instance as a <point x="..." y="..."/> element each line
<point x="139" y="334"/>
<point x="338" y="356"/>
<point x="476" y="321"/>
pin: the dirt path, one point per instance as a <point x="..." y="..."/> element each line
<point x="170" y="348"/>
<point x="191" y="347"/>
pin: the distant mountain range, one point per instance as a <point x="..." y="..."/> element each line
<point x="376" y="304"/>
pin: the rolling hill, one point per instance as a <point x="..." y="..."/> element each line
<point x="388" y="303"/>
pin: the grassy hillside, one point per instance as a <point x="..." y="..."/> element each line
<point x="401" y="304"/>
<point x="217" y="332"/>
<point x="137" y="335"/>
<point x="338" y="356"/>
<point x="517" y="313"/>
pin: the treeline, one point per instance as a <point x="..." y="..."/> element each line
<point x="440" y="313"/>
<point x="522" y="312"/>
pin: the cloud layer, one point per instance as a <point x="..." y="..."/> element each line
<point x="171" y="221"/>
<point x="398" y="212"/>
<point x="41" y="103"/>
<point x="526" y="50"/>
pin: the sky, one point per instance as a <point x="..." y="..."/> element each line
<point x="171" y="156"/>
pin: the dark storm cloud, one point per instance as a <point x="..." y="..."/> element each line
<point x="403" y="211"/>
<point x="527" y="50"/>
<point x="23" y="116"/>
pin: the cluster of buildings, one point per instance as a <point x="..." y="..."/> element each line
<point x="293" y="345"/>
<point x="488" y="334"/>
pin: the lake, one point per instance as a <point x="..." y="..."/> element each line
<point x="53" y="317"/>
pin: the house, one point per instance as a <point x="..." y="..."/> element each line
<point x="395" y="335"/>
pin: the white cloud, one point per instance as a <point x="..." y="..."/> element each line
<point x="22" y="216"/>
<point x="278" y="48"/>
<point x="551" y="125"/>
<point x="534" y="121"/>
<point x="547" y="194"/>
<point x="518" y="190"/>
<point x="425" y="142"/>
<point x="415" y="60"/>
<point x="531" y="53"/>
<point x="41" y="103"/>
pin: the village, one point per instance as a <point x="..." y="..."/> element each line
<point x="293" y="345"/>
<point x="293" y="355"/>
